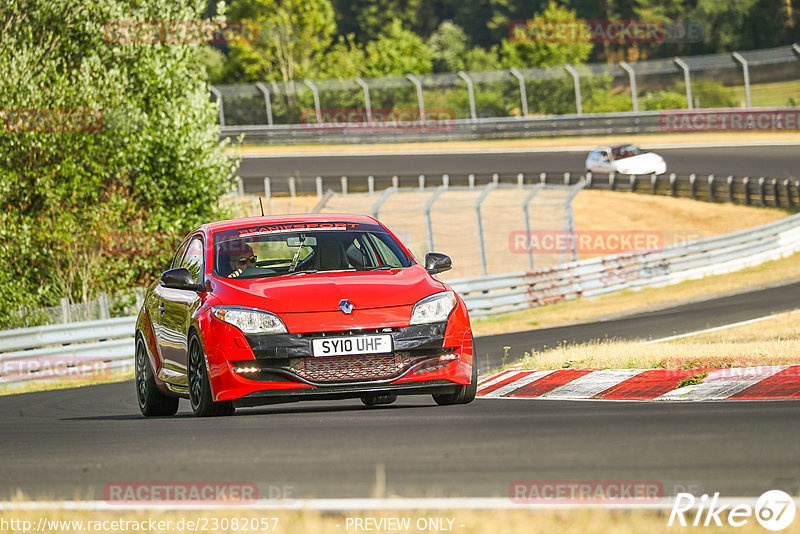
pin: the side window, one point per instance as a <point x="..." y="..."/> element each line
<point x="176" y="260"/>
<point x="193" y="259"/>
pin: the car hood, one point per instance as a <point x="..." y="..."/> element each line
<point x="641" y="164"/>
<point x="321" y="292"/>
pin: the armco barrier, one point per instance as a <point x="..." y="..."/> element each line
<point x="596" y="276"/>
<point x="70" y="350"/>
<point x="110" y="342"/>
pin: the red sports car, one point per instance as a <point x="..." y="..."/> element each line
<point x="279" y="309"/>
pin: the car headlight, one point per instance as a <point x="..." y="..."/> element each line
<point x="433" y="309"/>
<point x="250" y="321"/>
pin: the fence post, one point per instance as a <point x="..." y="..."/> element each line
<point x="686" y="80"/>
<point x="633" y="183"/>
<point x="220" y="111"/>
<point x="523" y="94"/>
<point x="730" y="189"/>
<point x="321" y="203"/>
<point x="761" y="191"/>
<point x="65" y="310"/>
<point x="654" y="182"/>
<point x="527" y="219"/>
<point x="471" y="92"/>
<point x="479" y="221"/>
<point x="495" y="178"/>
<point x="566" y="178"/>
<point x="520" y="180"/>
<point x="542" y="177"/>
<point x="240" y="186"/>
<point x="318" y="182"/>
<point x="746" y="72"/>
<point x="292" y="187"/>
<point x="371" y="184"/>
<point x="421" y="182"/>
<point x="612" y="180"/>
<point x="102" y="300"/>
<point x="367" y="100"/>
<point x="569" y="223"/>
<point x="446" y="181"/>
<point x="577" y="81"/>
<point x="692" y="184"/>
<point x="395" y="182"/>
<point x="789" y="199"/>
<point x="711" y="195"/>
<point x="588" y="178"/>
<point x="268" y="104"/>
<point x="471" y="180"/>
<point x="268" y="192"/>
<point x="428" y="221"/>
<point x="376" y="208"/>
<point x="418" y="84"/>
<point x="775" y="192"/>
<point x="673" y="184"/>
<point x="315" y="94"/>
<point x="343" y="179"/>
<point x="632" y="77"/>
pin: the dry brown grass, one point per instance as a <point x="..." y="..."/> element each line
<point x="775" y="341"/>
<point x="47" y="385"/>
<point x="562" y="142"/>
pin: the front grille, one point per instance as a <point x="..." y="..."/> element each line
<point x="353" y="368"/>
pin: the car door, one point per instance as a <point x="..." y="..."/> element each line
<point x="175" y="311"/>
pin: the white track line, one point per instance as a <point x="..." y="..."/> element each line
<point x="717" y="328"/>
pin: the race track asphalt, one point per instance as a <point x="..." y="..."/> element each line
<point x="72" y="443"/>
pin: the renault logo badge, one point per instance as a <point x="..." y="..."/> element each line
<point x="346" y="306"/>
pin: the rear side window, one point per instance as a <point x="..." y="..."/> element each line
<point x="193" y="258"/>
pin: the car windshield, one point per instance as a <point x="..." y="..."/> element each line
<point x="626" y="151"/>
<point x="285" y="250"/>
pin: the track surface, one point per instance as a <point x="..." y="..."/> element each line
<point x="74" y="442"/>
<point x="771" y="161"/>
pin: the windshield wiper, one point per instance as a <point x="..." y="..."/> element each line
<point x="302" y="271"/>
<point x="379" y="268"/>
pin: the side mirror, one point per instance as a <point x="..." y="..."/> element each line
<point x="180" y="278"/>
<point x="437" y="263"/>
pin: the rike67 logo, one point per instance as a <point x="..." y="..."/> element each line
<point x="774" y="510"/>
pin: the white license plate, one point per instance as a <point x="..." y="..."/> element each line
<point x="341" y="346"/>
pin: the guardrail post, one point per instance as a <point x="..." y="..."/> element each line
<point x="421" y="182"/>
<point x="479" y="221"/>
<point x="761" y="191"/>
<point x="746" y="72"/>
<point x="496" y="178"/>
<point x="577" y="81"/>
<point x="775" y="192"/>
<point x="344" y="184"/>
<point x="102" y="301"/>
<point x="789" y="199"/>
<point x="523" y="94"/>
<point x="711" y="188"/>
<point x="654" y="182"/>
<point x="65" y="318"/>
<point x="446" y="181"/>
<point x="292" y="187"/>
<point x="376" y="208"/>
<point x="527" y="220"/>
<point x="371" y="185"/>
<point x="686" y="80"/>
<point x="632" y="77"/>
<point x="318" y="183"/>
<point x="471" y="92"/>
<point x="692" y="185"/>
<point x="612" y="180"/>
<point x="395" y="182"/>
<point x="520" y="180"/>
<point x="240" y="186"/>
<point x="588" y="178"/>
<point x="428" y="221"/>
<point x="367" y="100"/>
<point x="315" y="94"/>
<point x="542" y="177"/>
<point x="673" y="186"/>
<point x="220" y="111"/>
<point x="566" y="178"/>
<point x="633" y="183"/>
<point x="418" y="84"/>
<point x="746" y="183"/>
<point x="267" y="103"/>
<point x="471" y="181"/>
<point x="730" y="189"/>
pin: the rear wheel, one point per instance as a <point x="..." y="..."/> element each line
<point x="374" y="400"/>
<point x="200" y="397"/>
<point x="463" y="394"/>
<point x="151" y="401"/>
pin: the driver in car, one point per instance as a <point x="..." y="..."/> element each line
<point x="240" y="259"/>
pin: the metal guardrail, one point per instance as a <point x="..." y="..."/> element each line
<point x="596" y="276"/>
<point x="72" y="350"/>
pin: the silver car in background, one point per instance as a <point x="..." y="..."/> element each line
<point x="625" y="159"/>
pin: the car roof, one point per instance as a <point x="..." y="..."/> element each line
<point x="231" y="224"/>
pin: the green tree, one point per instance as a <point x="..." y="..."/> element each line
<point x="367" y="19"/>
<point x="100" y="138"/>
<point x="397" y="51"/>
<point x="449" y="46"/>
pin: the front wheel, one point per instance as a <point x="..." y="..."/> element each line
<point x="151" y="401"/>
<point x="463" y="394"/>
<point x="203" y="404"/>
<point x="374" y="400"/>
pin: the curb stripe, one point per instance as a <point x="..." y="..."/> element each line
<point x="722" y="383"/>
<point x="591" y="384"/>
<point x="782" y="385"/>
<point x="648" y="385"/>
<point x="502" y="382"/>
<point x="550" y="382"/>
<point x="509" y="389"/>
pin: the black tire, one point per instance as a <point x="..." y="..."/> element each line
<point x="374" y="400"/>
<point x="463" y="394"/>
<point x="200" y="397"/>
<point x="151" y="401"/>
